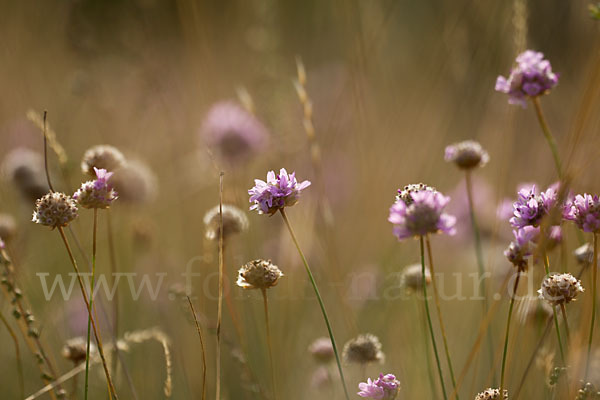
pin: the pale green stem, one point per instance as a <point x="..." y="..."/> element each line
<point x="513" y="295"/>
<point x="548" y="136"/>
<point x="269" y="343"/>
<point x="428" y="314"/>
<point x="316" y="289"/>
<point x="89" y="325"/>
<point x="594" y="289"/>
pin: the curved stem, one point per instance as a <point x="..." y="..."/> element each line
<point x="89" y="325"/>
<point x="508" y="319"/>
<point x="201" y="346"/>
<point x="316" y="289"/>
<point x="548" y="136"/>
<point x="428" y="314"/>
<point x="594" y="289"/>
<point x="17" y="355"/>
<point x="480" y="263"/>
<point x="436" y="299"/>
<point x="112" y="391"/>
<point x="269" y="342"/>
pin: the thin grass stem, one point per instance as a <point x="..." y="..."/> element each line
<point x="513" y="295"/>
<point x="220" y="301"/>
<point x="548" y="136"/>
<point x="593" y="319"/>
<point x="17" y="356"/>
<point x="199" y="330"/>
<point x="564" y="315"/>
<point x="269" y="342"/>
<point x="89" y="327"/>
<point x="316" y="289"/>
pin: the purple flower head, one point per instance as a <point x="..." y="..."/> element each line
<point x="519" y="250"/>
<point x="386" y="387"/>
<point x="530" y="208"/>
<point x="423" y="215"/>
<point x="277" y="192"/>
<point x="531" y="77"/>
<point x="233" y="132"/>
<point x="98" y="193"/>
<point x="584" y="210"/>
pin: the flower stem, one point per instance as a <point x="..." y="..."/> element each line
<point x="17" y="355"/>
<point x="221" y="277"/>
<point x="548" y="136"/>
<point x="115" y="300"/>
<point x="480" y="264"/>
<point x="316" y="289"/>
<point x="89" y="325"/>
<point x="439" y="313"/>
<point x="508" y="319"/>
<point x="269" y="342"/>
<point x="201" y="346"/>
<point x="560" y="346"/>
<point x="426" y="302"/>
<point x="564" y="315"/>
<point x="594" y="289"/>
<point x="112" y="391"/>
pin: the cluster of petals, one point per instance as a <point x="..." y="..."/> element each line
<point x="385" y="387"/>
<point x="279" y="191"/>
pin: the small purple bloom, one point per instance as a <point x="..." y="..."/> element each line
<point x="423" y="215"/>
<point x="584" y="210"/>
<point x="531" y="77"/>
<point x="277" y="192"/>
<point x="98" y="193"/>
<point x="233" y="132"/>
<point x="519" y="250"/>
<point x="530" y="208"/>
<point x="386" y="387"/>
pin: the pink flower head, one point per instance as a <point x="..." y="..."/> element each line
<point x="584" y="210"/>
<point x="531" y="77"/>
<point x="277" y="192"/>
<point x="422" y="216"/>
<point x="98" y="193"/>
<point x="530" y="208"/>
<point x="386" y="387"/>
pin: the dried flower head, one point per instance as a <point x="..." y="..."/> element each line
<point x="55" y="209"/>
<point x="102" y="157"/>
<point x="363" y="349"/>
<point x="258" y="274"/>
<point x="386" y="387"/>
<point x="584" y="210"/>
<point x="405" y="194"/>
<point x="560" y="289"/>
<point x="25" y="169"/>
<point x="530" y="208"/>
<point x="491" y="394"/>
<point x="98" y="193"/>
<point x="584" y="254"/>
<point x="423" y="215"/>
<point x="412" y="277"/>
<point x="322" y="350"/>
<point x="467" y="155"/>
<point x="520" y="249"/>
<point x="531" y="77"/>
<point x="75" y="348"/>
<point x="233" y="132"/>
<point x="234" y="221"/>
<point x="8" y="227"/>
<point x="135" y="182"/>
<point x="278" y="192"/>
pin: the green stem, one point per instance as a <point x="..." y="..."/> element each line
<point x="435" y="350"/>
<point x="112" y="391"/>
<point x="201" y="347"/>
<point x="564" y="315"/>
<point x="547" y="269"/>
<point x="510" y="310"/>
<point x="115" y="300"/>
<point x="439" y="313"/>
<point x="594" y="284"/>
<point x="548" y="136"/>
<point x="220" y="301"/>
<point x="17" y="355"/>
<point x="316" y="289"/>
<point x="89" y="325"/>
<point x="269" y="342"/>
<point x="480" y="264"/>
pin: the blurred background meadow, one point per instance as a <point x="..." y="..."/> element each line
<point x="391" y="84"/>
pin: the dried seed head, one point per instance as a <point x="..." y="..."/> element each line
<point x="584" y="254"/>
<point x="405" y="194"/>
<point x="322" y="350"/>
<point x="54" y="209"/>
<point x="560" y="289"/>
<point x="492" y="394"/>
<point x="412" y="277"/>
<point x="75" y="349"/>
<point x="8" y="227"/>
<point x="135" y="182"/>
<point x="258" y="274"/>
<point x="234" y="221"/>
<point x="25" y="169"/>
<point x="467" y="155"/>
<point x="363" y="349"/>
<point x="102" y="157"/>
